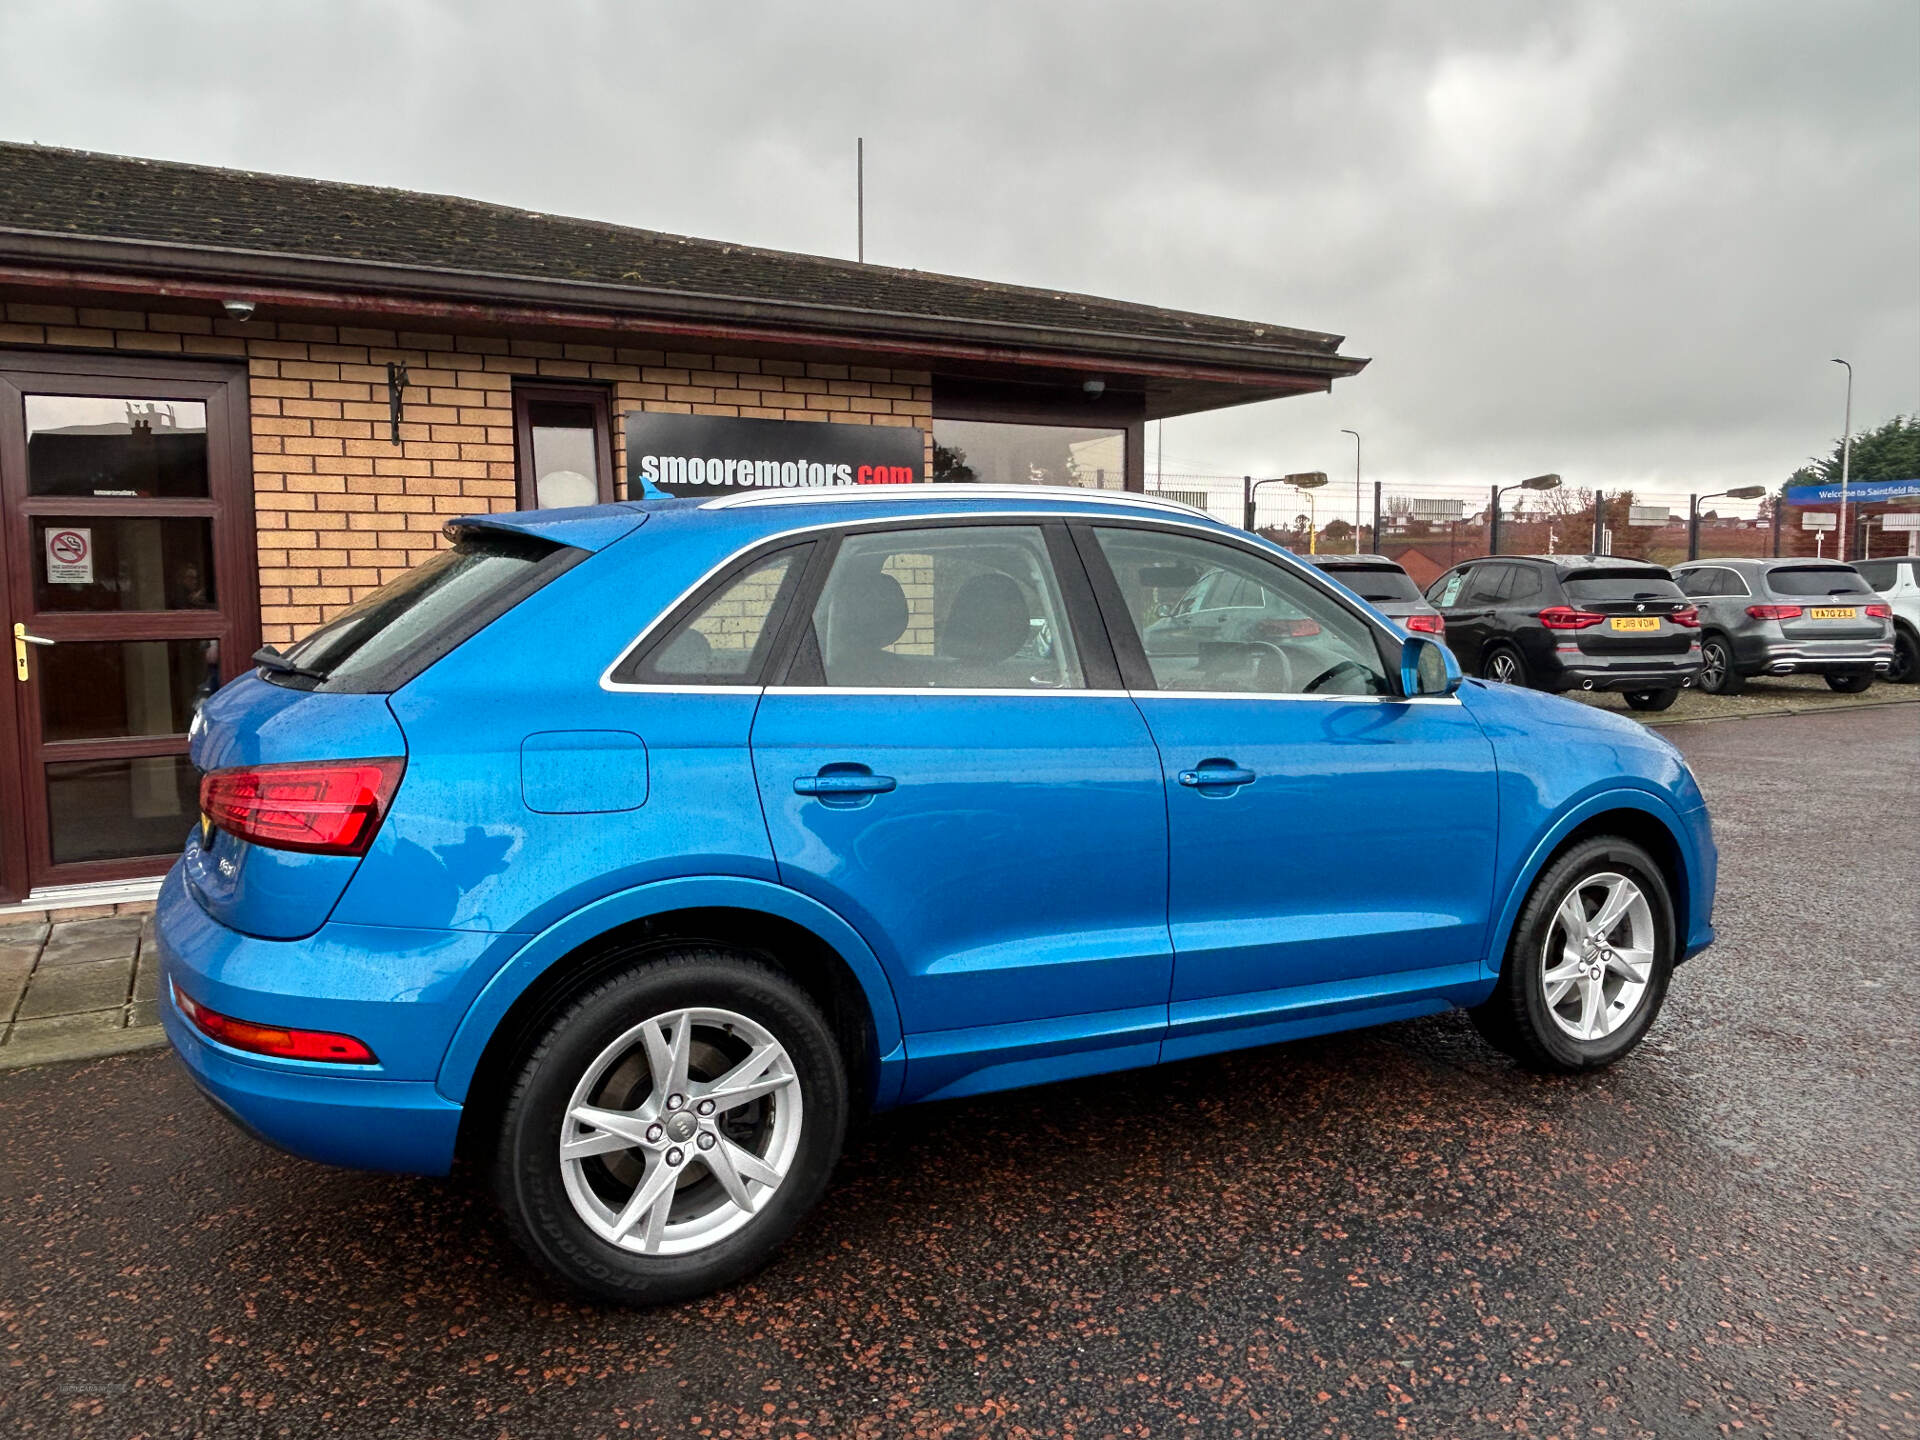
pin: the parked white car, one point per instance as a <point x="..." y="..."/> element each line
<point x="1898" y="581"/>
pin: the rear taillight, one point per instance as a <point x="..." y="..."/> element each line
<point x="1689" y="617"/>
<point x="327" y="808"/>
<point x="1565" y="617"/>
<point x="1880" y="612"/>
<point x="1427" y="624"/>
<point x="274" y="1039"/>
<point x="1774" y="612"/>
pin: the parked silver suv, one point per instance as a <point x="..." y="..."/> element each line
<point x="1898" y="581"/>
<point x="1787" y="617"/>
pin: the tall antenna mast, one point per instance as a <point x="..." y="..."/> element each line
<point x="860" y="197"/>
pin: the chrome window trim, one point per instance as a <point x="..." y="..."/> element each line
<point x="1213" y="531"/>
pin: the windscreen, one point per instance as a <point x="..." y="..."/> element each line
<point x="1817" y="580"/>
<point x="1587" y="587"/>
<point x="392" y="634"/>
<point x="1376" y="582"/>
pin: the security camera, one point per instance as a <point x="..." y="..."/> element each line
<point x="238" y="309"/>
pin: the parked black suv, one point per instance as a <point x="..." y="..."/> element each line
<point x="1572" y="622"/>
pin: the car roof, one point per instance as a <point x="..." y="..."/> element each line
<point x="767" y="512"/>
<point x="1771" y="562"/>
<point x="1352" y="562"/>
<point x="1564" y="563"/>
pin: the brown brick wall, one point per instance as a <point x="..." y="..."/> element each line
<point x="340" y="509"/>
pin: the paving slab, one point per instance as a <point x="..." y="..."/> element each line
<point x="79" y="942"/>
<point x="72" y="989"/>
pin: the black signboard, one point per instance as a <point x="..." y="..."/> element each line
<point x="716" y="455"/>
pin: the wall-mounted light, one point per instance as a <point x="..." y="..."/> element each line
<point x="238" y="309"/>
<point x="1094" y="387"/>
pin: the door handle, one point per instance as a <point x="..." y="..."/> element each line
<point x="1216" y="774"/>
<point x="21" y="639"/>
<point x="844" y="782"/>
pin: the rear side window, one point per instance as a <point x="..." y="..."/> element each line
<point x="724" y="638"/>
<point x="1817" y="580"/>
<point x="1376" y="582"/>
<point x="383" y="641"/>
<point x="1880" y="574"/>
<point x="1586" y="587"/>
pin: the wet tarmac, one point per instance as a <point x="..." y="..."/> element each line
<point x="1386" y="1233"/>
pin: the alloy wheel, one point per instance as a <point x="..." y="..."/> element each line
<point x="1713" y="666"/>
<point x="680" y="1131"/>
<point x="1598" y="958"/>
<point x="1502" y="668"/>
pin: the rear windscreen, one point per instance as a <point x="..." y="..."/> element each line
<point x="1376" y="582"/>
<point x="382" y="641"/>
<point x="1817" y="580"/>
<point x="1592" y="586"/>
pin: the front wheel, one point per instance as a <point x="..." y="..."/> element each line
<point x="1651" y="699"/>
<point x="671" y="1127"/>
<point x="1588" y="964"/>
<point x="1850" y="682"/>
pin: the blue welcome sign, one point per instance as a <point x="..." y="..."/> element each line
<point x="1859" y="490"/>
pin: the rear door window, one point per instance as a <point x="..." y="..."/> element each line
<point x="1814" y="580"/>
<point x="384" y="640"/>
<point x="1489" y="585"/>
<point x="1587" y="587"/>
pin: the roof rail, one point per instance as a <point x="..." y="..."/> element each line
<point x="831" y="494"/>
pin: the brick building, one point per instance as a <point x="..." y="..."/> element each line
<point x="232" y="403"/>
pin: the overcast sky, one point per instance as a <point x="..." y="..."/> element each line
<point x="1616" y="241"/>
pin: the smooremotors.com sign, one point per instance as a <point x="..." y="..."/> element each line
<point x="716" y="455"/>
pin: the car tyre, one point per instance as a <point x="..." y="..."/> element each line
<point x="1503" y="665"/>
<point x="1531" y="1014"/>
<point x="1849" y="682"/>
<point x="566" y="1211"/>
<point x="1905" y="669"/>
<point x="1651" y="699"/>
<point x="1718" y="674"/>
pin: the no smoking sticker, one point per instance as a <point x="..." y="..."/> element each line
<point x="70" y="556"/>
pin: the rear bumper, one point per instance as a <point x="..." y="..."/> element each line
<point x="1579" y="671"/>
<point x="402" y="992"/>
<point x="1814" y="657"/>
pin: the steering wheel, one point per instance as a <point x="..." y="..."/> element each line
<point x="1314" y="684"/>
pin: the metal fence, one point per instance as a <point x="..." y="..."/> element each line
<point x="1430" y="527"/>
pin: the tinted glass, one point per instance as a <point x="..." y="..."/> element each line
<point x="1591" y="586"/>
<point x="1296" y="640"/>
<point x="1817" y="580"/>
<point x="418" y="610"/>
<point x="955" y="607"/>
<point x="1522" y="584"/>
<point x="1488" y="584"/>
<point x="1376" y="582"/>
<point x="1880" y="574"/>
<point x="1698" y="582"/>
<point x="114" y="809"/>
<point x="88" y="445"/>
<point x="123" y="562"/>
<point x="724" y="640"/>
<point x="104" y="689"/>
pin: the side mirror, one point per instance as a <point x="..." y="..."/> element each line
<point x="1427" y="668"/>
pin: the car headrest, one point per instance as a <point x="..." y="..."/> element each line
<point x="988" y="621"/>
<point x="869" y="611"/>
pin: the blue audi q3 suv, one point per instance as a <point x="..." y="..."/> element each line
<point x="629" y="851"/>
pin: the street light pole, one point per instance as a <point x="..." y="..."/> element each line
<point x="1537" y="482"/>
<point x="1846" y="456"/>
<point x="1356" y="492"/>
<point x="1739" y="492"/>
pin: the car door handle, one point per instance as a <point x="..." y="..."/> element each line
<point x="844" y="782"/>
<point x="1209" y="775"/>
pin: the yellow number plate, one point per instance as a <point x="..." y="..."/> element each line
<point x="1845" y="612"/>
<point x="1634" y="623"/>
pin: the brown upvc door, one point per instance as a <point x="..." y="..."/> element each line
<point x="130" y="594"/>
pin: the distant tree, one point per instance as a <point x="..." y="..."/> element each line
<point x="1336" y="532"/>
<point x="1887" y="452"/>
<point x="950" y="465"/>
